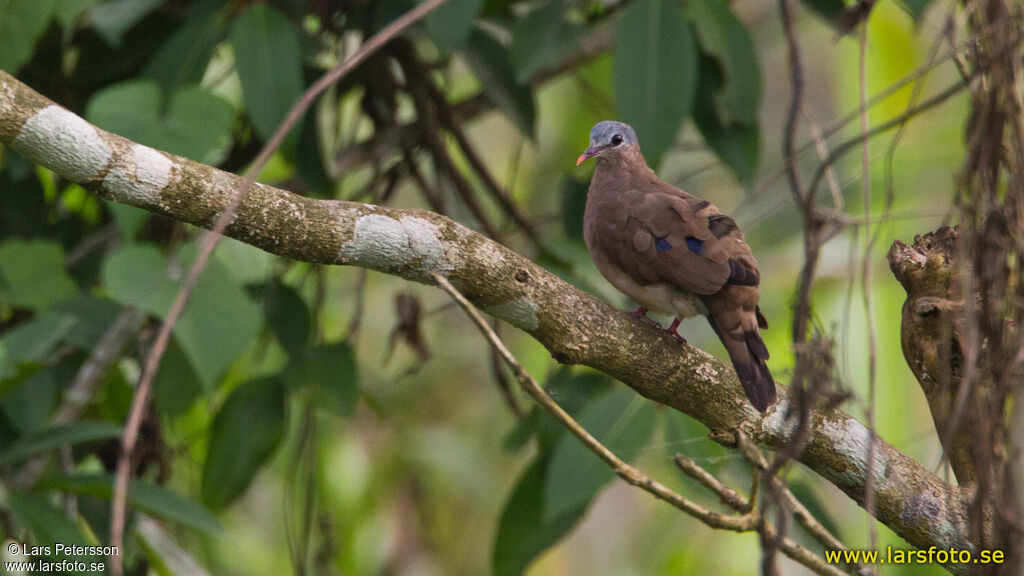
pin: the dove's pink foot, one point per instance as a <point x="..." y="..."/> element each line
<point x="641" y="313"/>
<point x="675" y="333"/>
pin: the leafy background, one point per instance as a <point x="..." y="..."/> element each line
<point x="297" y="426"/>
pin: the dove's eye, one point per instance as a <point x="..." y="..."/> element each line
<point x="617" y="139"/>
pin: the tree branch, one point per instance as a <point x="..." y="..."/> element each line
<point x="748" y="520"/>
<point x="415" y="244"/>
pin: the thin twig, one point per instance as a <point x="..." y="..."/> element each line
<point x="869" y="303"/>
<point x="497" y="369"/>
<point x="633" y="476"/>
<point x="821" y="146"/>
<point x="803" y="516"/>
<point x="140" y="402"/>
<point x="83" y="385"/>
<point x="728" y="496"/>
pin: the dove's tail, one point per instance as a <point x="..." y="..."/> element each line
<point x="749" y="357"/>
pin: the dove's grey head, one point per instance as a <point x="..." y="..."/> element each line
<point x="610" y="139"/>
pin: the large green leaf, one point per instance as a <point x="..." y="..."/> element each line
<point x="24" y="212"/>
<point x="33" y="341"/>
<point x="268" y="60"/>
<point x="93" y="316"/>
<point x="523" y="532"/>
<point x="490" y="62"/>
<point x="183" y="58"/>
<point x="574" y="389"/>
<point x="46" y="524"/>
<point x="245" y="434"/>
<point x="830" y="10"/>
<point x="22" y="22"/>
<point x="112" y="20"/>
<point x="450" y="24"/>
<point x="723" y="37"/>
<point x="916" y="8"/>
<point x="655" y="71"/>
<point x="623" y="422"/>
<point x="28" y="405"/>
<point x="542" y="39"/>
<point x="196" y="124"/>
<point x="221" y="321"/>
<point x="329" y="370"/>
<point x="34" y="273"/>
<point x="58" y="436"/>
<point x="729" y="90"/>
<point x="288" y="317"/>
<point x="737" y="145"/>
<point x="176" y="385"/>
<point x="145" y="496"/>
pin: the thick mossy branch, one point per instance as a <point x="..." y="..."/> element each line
<point x="414" y="244"/>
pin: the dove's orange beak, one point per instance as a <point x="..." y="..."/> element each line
<point x="589" y="153"/>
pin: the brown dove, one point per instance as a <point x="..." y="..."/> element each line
<point x="674" y="254"/>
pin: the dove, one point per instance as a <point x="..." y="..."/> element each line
<point x="674" y="254"/>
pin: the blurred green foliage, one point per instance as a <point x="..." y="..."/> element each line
<point x="297" y="426"/>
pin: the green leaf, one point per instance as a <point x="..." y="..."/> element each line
<point x="542" y="39"/>
<point x="184" y="57"/>
<point x="573" y="389"/>
<point x="246" y="431"/>
<point x="22" y="22"/>
<point x="29" y="404"/>
<point x="288" y="317"/>
<point x="916" y="8"/>
<point x="196" y="124"/>
<point x="268" y="60"/>
<point x="24" y="211"/>
<point x="490" y="62"/>
<point x="145" y="496"/>
<point x="220" y="323"/>
<point x="737" y="145"/>
<point x="729" y="88"/>
<point x="330" y="371"/>
<point x="451" y="23"/>
<point x="112" y="20"/>
<point x="46" y="524"/>
<point x="66" y="12"/>
<point x="523" y="533"/>
<point x="623" y="422"/>
<point x="723" y="38"/>
<point x="33" y="341"/>
<point x="829" y="10"/>
<point x="34" y="273"/>
<point x="57" y="436"/>
<point x="689" y="436"/>
<point x="655" y="71"/>
<point x="176" y="385"/>
<point x="129" y="218"/>
<point x="93" y="316"/>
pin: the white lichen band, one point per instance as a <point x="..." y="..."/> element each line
<point x="521" y="313"/>
<point x="65" y="143"/>
<point x="142" y="185"/>
<point x="385" y="243"/>
<point x="850" y="439"/>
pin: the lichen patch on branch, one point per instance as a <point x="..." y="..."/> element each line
<point x="385" y="243"/>
<point x="142" y="183"/>
<point x="521" y="313"/>
<point x="65" y="143"/>
<point x="850" y="439"/>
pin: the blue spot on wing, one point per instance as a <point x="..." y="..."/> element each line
<point x="661" y="244"/>
<point x="696" y="245"/>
